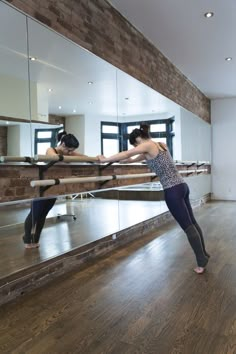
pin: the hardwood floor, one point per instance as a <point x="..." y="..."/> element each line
<point x="143" y="298"/>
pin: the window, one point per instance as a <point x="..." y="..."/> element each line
<point x="45" y="138"/>
<point x="110" y="138"/>
<point x="115" y="136"/>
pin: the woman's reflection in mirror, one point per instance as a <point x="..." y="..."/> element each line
<point x="34" y="222"/>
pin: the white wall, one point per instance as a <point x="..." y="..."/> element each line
<point x="199" y="185"/>
<point x="19" y="142"/>
<point x="195" y="137"/>
<point x="223" y="117"/>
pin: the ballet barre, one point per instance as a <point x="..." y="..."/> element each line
<point x="196" y="162"/>
<point x="16" y="159"/>
<point x="49" y="158"/>
<point x="57" y="181"/>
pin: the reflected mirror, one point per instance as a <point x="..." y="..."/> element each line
<point x="71" y="89"/>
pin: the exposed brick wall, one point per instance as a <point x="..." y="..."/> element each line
<point x="98" y="27"/>
<point x="15" y="179"/>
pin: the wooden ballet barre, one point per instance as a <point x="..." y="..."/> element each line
<point x="16" y="159"/>
<point x="53" y="182"/>
<point x="192" y="162"/>
<point x="193" y="171"/>
<point x="48" y="158"/>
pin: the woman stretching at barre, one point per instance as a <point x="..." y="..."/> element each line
<point x="40" y="208"/>
<point x="176" y="191"/>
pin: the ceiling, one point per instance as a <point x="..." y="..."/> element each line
<point x="66" y="69"/>
<point x="197" y="46"/>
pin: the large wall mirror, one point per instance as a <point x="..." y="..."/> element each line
<point x="49" y="84"/>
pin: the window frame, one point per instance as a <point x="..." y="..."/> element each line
<point x="122" y="136"/>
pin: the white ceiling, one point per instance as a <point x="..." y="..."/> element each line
<point x="67" y="68"/>
<point x="197" y="46"/>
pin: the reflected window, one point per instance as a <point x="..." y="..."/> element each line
<point x="110" y="147"/>
<point x="154" y="128"/>
<point x="44" y="134"/>
<point x="42" y="148"/>
<point x="117" y="134"/>
<point x="110" y="129"/>
<point x="131" y="128"/>
<point x="45" y="138"/>
<point x="110" y="138"/>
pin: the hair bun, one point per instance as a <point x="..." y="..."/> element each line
<point x="144" y="127"/>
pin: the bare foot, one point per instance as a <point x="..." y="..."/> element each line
<point x="199" y="270"/>
<point x="28" y="245"/>
<point x="35" y="245"/>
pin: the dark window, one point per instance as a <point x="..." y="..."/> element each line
<point x="115" y="136"/>
<point x="45" y="138"/>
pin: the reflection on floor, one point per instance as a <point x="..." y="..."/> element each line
<point x="96" y="218"/>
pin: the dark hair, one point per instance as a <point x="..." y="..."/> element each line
<point x="70" y="141"/>
<point x="60" y="135"/>
<point x="143" y="133"/>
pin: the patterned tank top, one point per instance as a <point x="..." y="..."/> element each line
<point x="164" y="167"/>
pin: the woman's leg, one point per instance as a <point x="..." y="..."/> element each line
<point x="44" y="206"/>
<point x="27" y="238"/>
<point x="190" y="210"/>
<point x="175" y="200"/>
<point x="30" y="222"/>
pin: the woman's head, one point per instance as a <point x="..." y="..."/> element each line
<point x="68" y="142"/>
<point x="137" y="134"/>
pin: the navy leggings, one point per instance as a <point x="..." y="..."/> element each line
<point x="177" y="200"/>
<point x="36" y="218"/>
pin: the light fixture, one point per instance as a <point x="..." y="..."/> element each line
<point x="59" y="107"/>
<point x="90" y="82"/>
<point x="90" y="102"/>
<point x="209" y="14"/>
<point x="50" y="90"/>
<point x="74" y="110"/>
<point x="228" y="58"/>
<point x="33" y="58"/>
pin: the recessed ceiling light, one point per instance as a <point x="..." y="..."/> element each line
<point x="90" y="102"/>
<point x="209" y="14"/>
<point x="228" y="58"/>
<point x="50" y="90"/>
<point x="90" y="82"/>
<point x="74" y="110"/>
<point x="33" y="58"/>
<point x="59" y="107"/>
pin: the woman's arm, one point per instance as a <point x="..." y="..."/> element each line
<point x="124" y="155"/>
<point x="139" y="158"/>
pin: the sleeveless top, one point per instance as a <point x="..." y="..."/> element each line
<point x="164" y="167"/>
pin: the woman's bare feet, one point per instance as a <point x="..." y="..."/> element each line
<point x="199" y="270"/>
<point x="35" y="245"/>
<point x="28" y="245"/>
<point x="31" y="245"/>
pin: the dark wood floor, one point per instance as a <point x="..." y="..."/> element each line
<point x="143" y="298"/>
